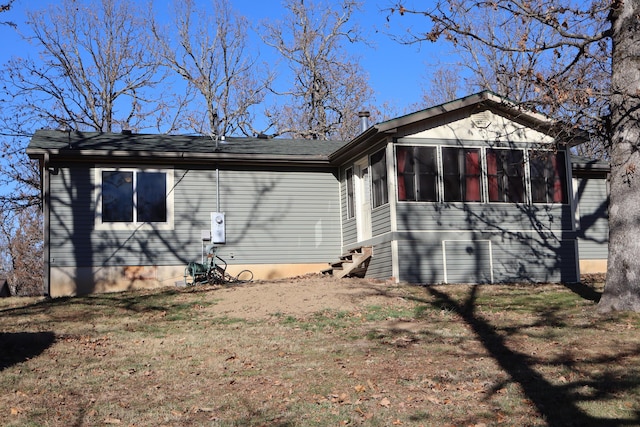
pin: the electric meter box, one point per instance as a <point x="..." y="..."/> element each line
<point x="218" y="226"/>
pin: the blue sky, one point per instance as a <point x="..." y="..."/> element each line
<point x="397" y="73"/>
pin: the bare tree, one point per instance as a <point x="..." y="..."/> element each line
<point x="19" y="177"/>
<point x="582" y="42"/>
<point x="329" y="86"/>
<point x="444" y="86"/>
<point x="510" y="72"/>
<point x="21" y="242"/>
<point x="210" y="52"/>
<point x="4" y="7"/>
<point x="96" y="69"/>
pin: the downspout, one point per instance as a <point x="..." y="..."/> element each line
<point x="46" y="187"/>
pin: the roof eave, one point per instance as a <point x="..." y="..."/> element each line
<point x="177" y="157"/>
<point x="376" y="132"/>
<point x="368" y="134"/>
<point x="591" y="166"/>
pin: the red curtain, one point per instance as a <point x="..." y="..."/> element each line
<point x="472" y="173"/>
<point x="559" y="176"/>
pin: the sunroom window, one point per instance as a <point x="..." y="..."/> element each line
<point x="461" y="174"/>
<point x="505" y="175"/>
<point x="417" y="173"/>
<point x="548" y="177"/>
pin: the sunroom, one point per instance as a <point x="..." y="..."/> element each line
<point x="474" y="191"/>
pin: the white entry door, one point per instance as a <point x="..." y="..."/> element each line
<point x="363" y="199"/>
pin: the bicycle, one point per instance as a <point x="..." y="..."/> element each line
<point x="213" y="271"/>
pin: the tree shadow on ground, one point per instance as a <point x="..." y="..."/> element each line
<point x="21" y="346"/>
<point x="587" y="287"/>
<point x="556" y="403"/>
<point x="86" y="308"/>
<point x="584" y="290"/>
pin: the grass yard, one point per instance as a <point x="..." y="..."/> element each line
<point x="387" y="355"/>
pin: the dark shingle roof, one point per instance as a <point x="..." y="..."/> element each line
<point x="76" y="144"/>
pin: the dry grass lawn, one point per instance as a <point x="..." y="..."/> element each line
<point x="316" y="351"/>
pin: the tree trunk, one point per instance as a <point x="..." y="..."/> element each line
<point x="622" y="289"/>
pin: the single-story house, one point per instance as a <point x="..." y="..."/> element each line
<point x="476" y="190"/>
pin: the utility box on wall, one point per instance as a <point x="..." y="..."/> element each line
<point x="218" y="225"/>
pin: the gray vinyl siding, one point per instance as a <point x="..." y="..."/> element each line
<point x="72" y="216"/>
<point x="415" y="216"/>
<point x="535" y="258"/>
<point x="477" y="257"/>
<point x="349" y="231"/>
<point x="593" y="225"/>
<point x="420" y="259"/>
<point x="281" y="217"/>
<point x="468" y="261"/>
<point x="381" y="220"/>
<point x="381" y="265"/>
<point x="380" y="224"/>
<point x="276" y="216"/>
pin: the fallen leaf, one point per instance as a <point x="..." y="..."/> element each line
<point x="434" y="400"/>
<point x="384" y="402"/>
<point x="360" y="388"/>
<point x="112" y="421"/>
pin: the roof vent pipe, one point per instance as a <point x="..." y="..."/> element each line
<point x="364" y="120"/>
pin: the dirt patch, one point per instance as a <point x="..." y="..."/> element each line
<point x="301" y="296"/>
<point x="317" y="350"/>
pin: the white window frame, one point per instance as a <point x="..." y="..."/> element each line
<point x="567" y="186"/>
<point x="384" y="188"/>
<point x="416" y="177"/>
<point x="351" y="205"/>
<point x="526" y="184"/>
<point x="134" y="225"/>
<point x="483" y="175"/>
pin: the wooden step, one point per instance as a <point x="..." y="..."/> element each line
<point x="351" y="264"/>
